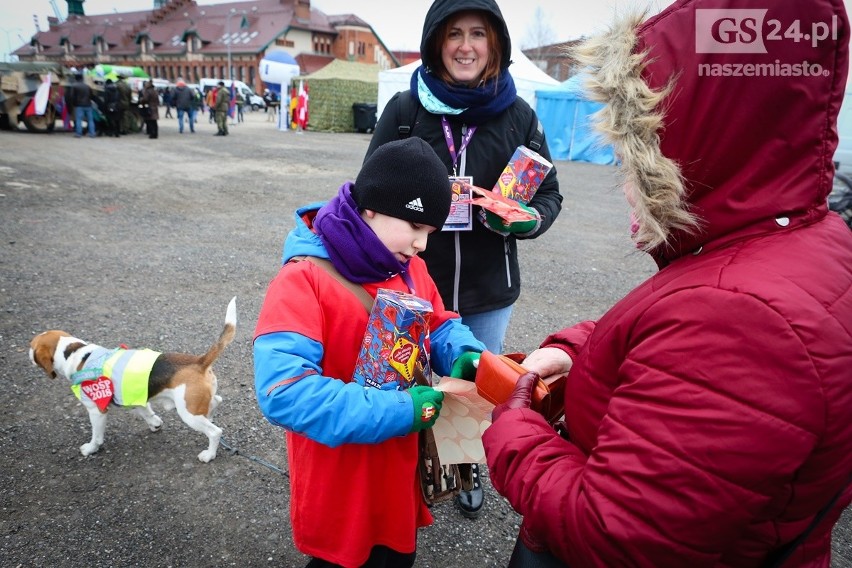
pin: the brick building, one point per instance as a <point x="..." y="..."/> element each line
<point x="178" y="38"/>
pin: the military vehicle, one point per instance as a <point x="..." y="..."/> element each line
<point x="18" y="85"/>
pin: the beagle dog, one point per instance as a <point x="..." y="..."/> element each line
<point x="101" y="377"/>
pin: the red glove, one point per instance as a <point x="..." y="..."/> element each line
<point x="520" y="397"/>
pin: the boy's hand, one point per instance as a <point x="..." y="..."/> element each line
<point x="427" y="406"/>
<point x="518" y="227"/>
<point x="465" y="366"/>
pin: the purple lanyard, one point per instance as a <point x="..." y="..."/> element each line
<point x="451" y="146"/>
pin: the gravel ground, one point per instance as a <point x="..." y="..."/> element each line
<point x="144" y="242"/>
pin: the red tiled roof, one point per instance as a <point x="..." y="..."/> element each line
<point x="310" y="63"/>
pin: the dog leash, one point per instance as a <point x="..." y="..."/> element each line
<point x="234" y="451"/>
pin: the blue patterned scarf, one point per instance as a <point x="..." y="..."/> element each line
<point x="474" y="105"/>
<point x="353" y="248"/>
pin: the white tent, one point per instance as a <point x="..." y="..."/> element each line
<point x="527" y="78"/>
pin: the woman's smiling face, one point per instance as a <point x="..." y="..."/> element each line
<point x="465" y="51"/>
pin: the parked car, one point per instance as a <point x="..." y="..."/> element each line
<point x="252" y="99"/>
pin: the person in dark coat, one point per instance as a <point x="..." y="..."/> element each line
<point x="112" y="111"/>
<point x="706" y="413"/>
<point x="151" y="103"/>
<point x="81" y="101"/>
<point x="464" y="84"/>
<point x="184" y="100"/>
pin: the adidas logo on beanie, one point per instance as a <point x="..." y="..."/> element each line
<point x="407" y="180"/>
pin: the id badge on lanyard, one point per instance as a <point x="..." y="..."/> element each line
<point x="461" y="207"/>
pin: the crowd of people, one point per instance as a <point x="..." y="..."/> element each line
<point x="705" y="414"/>
<point x="116" y="109"/>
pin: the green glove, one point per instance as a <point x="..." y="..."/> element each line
<point x="465" y="366"/>
<point x="498" y="224"/>
<point x="427" y="406"/>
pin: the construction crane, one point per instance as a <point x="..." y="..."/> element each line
<point x="56" y="11"/>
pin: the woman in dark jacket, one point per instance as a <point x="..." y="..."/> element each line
<point x="464" y="83"/>
<point x="151" y="99"/>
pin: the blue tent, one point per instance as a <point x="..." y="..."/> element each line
<point x="565" y="113"/>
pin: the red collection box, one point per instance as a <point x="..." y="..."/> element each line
<point x="395" y="342"/>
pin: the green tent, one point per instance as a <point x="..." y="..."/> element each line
<point x="334" y="89"/>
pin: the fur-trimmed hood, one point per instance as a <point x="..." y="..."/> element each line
<point x="723" y="132"/>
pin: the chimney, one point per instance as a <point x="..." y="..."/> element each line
<point x="302" y="10"/>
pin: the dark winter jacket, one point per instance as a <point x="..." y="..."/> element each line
<point x="183" y="97"/>
<point x="707" y="413"/>
<point x="151" y="98"/>
<point x="112" y="97"/>
<point x="476" y="271"/>
<point x="81" y="94"/>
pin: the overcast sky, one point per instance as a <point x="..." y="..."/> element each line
<point x="398" y="23"/>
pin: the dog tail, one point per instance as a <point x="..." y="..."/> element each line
<point x="225" y="337"/>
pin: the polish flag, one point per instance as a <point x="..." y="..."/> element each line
<point x="38" y="104"/>
<point x="302" y="106"/>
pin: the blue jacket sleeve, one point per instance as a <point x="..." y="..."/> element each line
<point x="451" y="339"/>
<point x="292" y="393"/>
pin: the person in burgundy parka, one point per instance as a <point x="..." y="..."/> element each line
<point x="708" y="414"/>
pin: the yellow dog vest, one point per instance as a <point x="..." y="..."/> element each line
<point x="128" y="369"/>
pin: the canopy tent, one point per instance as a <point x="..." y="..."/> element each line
<point x="526" y="75"/>
<point x="333" y="91"/>
<point x="565" y="113"/>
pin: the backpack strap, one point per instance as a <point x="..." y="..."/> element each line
<point x="536" y="137"/>
<point x="362" y="295"/>
<point x="406" y="114"/>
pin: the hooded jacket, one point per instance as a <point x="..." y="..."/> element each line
<point x="352" y="460"/>
<point x="476" y="271"/>
<point x="707" y="413"/>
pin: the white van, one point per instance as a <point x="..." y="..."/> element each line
<point x="252" y="99"/>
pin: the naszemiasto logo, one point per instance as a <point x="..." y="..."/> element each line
<point x="750" y="31"/>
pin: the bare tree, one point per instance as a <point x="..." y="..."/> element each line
<point x="539" y="34"/>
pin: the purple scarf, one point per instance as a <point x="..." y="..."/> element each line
<point x="353" y="247"/>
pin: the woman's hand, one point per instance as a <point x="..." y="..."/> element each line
<point x="548" y="361"/>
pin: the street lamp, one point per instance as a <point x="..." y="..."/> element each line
<point x="228" y="40"/>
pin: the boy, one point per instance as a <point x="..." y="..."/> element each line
<point x="352" y="451"/>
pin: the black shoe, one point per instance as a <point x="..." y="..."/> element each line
<point x="471" y="498"/>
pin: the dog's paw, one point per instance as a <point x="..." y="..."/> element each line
<point x="89" y="449"/>
<point x="154" y="423"/>
<point x="207" y="455"/>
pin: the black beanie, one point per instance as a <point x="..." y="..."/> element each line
<point x="407" y="180"/>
